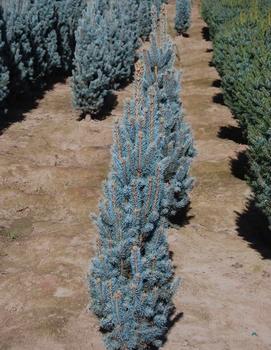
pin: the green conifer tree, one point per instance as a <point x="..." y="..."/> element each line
<point x="183" y="16"/>
<point x="4" y="73"/>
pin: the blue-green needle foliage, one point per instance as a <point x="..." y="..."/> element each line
<point x="43" y="24"/>
<point x="69" y="13"/>
<point x="183" y="16"/>
<point x="159" y="69"/>
<point x="19" y="50"/>
<point x="242" y="54"/>
<point x="260" y="166"/>
<point x="132" y="282"/>
<point x="39" y="40"/>
<point x="4" y="73"/>
<point x="91" y="78"/>
<point x="121" y="26"/>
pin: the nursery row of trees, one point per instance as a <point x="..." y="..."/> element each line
<point x="131" y="278"/>
<point x="36" y="42"/>
<point x="241" y="32"/>
<point x="106" y="42"/>
<point x="183" y="15"/>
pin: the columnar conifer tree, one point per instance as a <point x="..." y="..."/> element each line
<point x="4" y="73"/>
<point x="183" y="16"/>
<point x="131" y="278"/>
<point x="69" y="13"/>
<point x="116" y="41"/>
<point x="159" y="68"/>
<point x="19" y="50"/>
<point x="122" y="41"/>
<point x="91" y="80"/>
<point x="43" y="25"/>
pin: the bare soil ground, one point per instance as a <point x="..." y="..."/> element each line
<point x="51" y="169"/>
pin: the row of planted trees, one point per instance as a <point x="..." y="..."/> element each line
<point x="131" y="277"/>
<point x="40" y="39"/>
<point x="106" y="42"/>
<point x="36" y="42"/>
<point x="241" y="32"/>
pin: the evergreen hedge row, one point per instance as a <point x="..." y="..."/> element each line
<point x="106" y="41"/>
<point x="38" y="36"/>
<point x="241" y="32"/>
<point x="131" y="277"/>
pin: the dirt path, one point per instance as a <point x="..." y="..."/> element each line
<point x="51" y="169"/>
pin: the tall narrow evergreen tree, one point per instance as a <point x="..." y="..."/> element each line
<point x="159" y="69"/>
<point x="19" y="50"/>
<point x="91" y="80"/>
<point x="69" y="12"/>
<point x="43" y="25"/>
<point x="131" y="280"/>
<point x="122" y="41"/>
<point x="183" y="16"/>
<point x="4" y="73"/>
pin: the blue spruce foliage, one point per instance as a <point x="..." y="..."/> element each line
<point x="19" y="50"/>
<point x="121" y="25"/>
<point x="91" y="79"/>
<point x="131" y="282"/>
<point x="69" y="13"/>
<point x="122" y="42"/>
<point x="131" y="278"/>
<point x="4" y="73"/>
<point x="159" y="69"/>
<point x="43" y="25"/>
<point x="183" y="16"/>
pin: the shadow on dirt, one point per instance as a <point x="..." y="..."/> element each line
<point x="181" y="218"/>
<point x="216" y="83"/>
<point x="233" y="133"/>
<point x="219" y="99"/>
<point x="205" y="33"/>
<point x="18" y="106"/>
<point x="239" y="166"/>
<point x="252" y="226"/>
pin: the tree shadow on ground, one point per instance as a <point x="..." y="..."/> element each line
<point x="252" y="226"/>
<point x="175" y="317"/>
<point x="233" y="133"/>
<point x="239" y="165"/>
<point x="216" y="83"/>
<point x="18" y="106"/>
<point x="209" y="50"/>
<point x="110" y="102"/>
<point x="219" y="99"/>
<point x="205" y="33"/>
<point x="181" y="218"/>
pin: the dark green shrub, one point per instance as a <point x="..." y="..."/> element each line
<point x="260" y="166"/>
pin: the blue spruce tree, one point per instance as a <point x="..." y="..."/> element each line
<point x="131" y="280"/>
<point x="183" y="16"/>
<point x="159" y="68"/>
<point x="69" y="13"/>
<point x="4" y="73"/>
<point x="91" y="80"/>
<point x="42" y="19"/>
<point x="121" y="43"/>
<point x="19" y="50"/>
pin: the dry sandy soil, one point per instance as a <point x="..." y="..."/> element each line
<point x="51" y="169"/>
